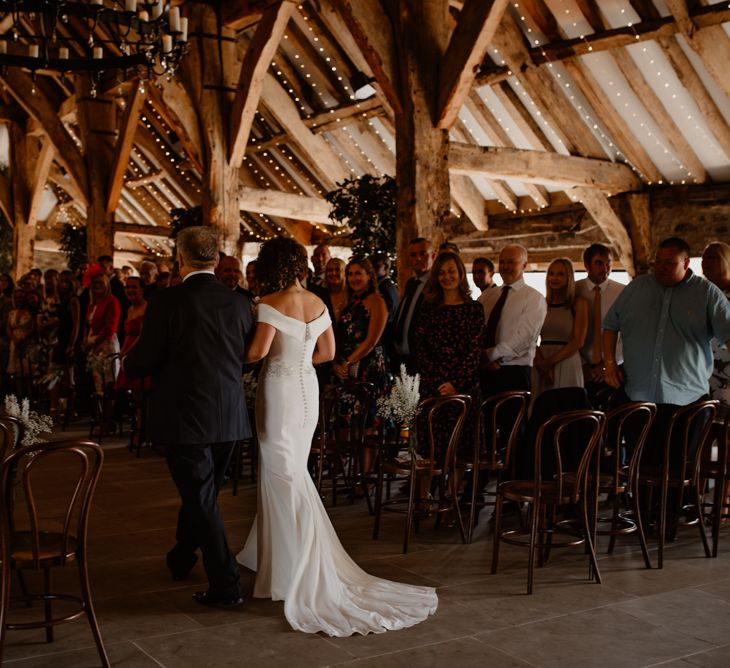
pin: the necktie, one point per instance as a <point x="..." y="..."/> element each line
<point x="597" y="347"/>
<point x="490" y="331"/>
<point x="405" y="306"/>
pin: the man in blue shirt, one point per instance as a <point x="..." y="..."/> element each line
<point x="667" y="321"/>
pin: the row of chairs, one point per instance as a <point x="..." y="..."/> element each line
<point x="573" y="457"/>
<point x="35" y="537"/>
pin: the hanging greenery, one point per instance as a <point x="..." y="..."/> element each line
<point x="73" y="245"/>
<point x="367" y="206"/>
<point x="182" y="218"/>
<point x="6" y="246"/>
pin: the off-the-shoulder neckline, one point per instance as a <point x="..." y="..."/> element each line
<point x="302" y="322"/>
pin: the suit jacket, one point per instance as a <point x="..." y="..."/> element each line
<point x="193" y="344"/>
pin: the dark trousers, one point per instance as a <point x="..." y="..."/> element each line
<point x="198" y="471"/>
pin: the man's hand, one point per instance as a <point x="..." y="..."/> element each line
<point x="612" y="375"/>
<point x="446" y="389"/>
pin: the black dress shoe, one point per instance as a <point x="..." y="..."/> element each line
<point x="217" y="601"/>
<point x="180" y="565"/>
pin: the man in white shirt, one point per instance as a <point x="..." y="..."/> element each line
<point x="514" y="315"/>
<point x="320" y="257"/>
<point x="482" y="271"/>
<point x="600" y="292"/>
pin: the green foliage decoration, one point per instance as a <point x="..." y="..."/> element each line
<point x="73" y="245"/>
<point x="367" y="206"/>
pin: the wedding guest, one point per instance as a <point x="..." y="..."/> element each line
<point x="132" y="332"/>
<point x="448" y="337"/>
<point x="320" y="257"/>
<point x="482" y="271"/>
<point x="449" y="246"/>
<point x="716" y="269"/>
<point x="420" y="258"/>
<point x="251" y="282"/>
<point x="6" y="305"/>
<point x="100" y="331"/>
<point x="359" y="354"/>
<point x="67" y="337"/>
<point x="7" y="285"/>
<point x="557" y="358"/>
<point x="388" y="290"/>
<point x="335" y="279"/>
<point x="21" y="327"/>
<point x="148" y="273"/>
<point x="175" y="277"/>
<point x="600" y="292"/>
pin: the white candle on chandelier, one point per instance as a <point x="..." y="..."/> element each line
<point x="3" y="46"/>
<point x="144" y="16"/>
<point x="156" y="10"/>
<point x="98" y="53"/>
<point x="63" y="53"/>
<point x="166" y="43"/>
<point x="97" y="2"/>
<point x="175" y="20"/>
<point x="33" y="51"/>
<point x="183" y="36"/>
<point x="131" y="5"/>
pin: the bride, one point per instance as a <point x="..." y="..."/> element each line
<point x="292" y="544"/>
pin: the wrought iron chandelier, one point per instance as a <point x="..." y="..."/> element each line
<point x="144" y="39"/>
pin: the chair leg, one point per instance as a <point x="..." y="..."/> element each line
<point x="47" y="604"/>
<point x="614" y="524"/>
<point x="4" y="598"/>
<point x="411" y="508"/>
<point x="699" y="487"/>
<point x="634" y="499"/>
<point x="89" y="608"/>
<point x="378" y="503"/>
<point x="473" y="500"/>
<point x="497" y="531"/>
<point x="536" y="512"/>
<point x="456" y="509"/>
<point x="718" y="507"/>
<point x="589" y="527"/>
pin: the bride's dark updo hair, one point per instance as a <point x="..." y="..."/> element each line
<point x="280" y="263"/>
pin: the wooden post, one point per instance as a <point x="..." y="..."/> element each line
<point x="422" y="168"/>
<point x="23" y="229"/>
<point x="209" y="73"/>
<point x="97" y="118"/>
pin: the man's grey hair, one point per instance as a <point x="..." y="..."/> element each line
<point x="198" y="246"/>
<point x="150" y="265"/>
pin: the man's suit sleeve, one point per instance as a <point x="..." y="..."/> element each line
<point x="150" y="353"/>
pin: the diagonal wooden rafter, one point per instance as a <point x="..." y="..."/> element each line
<point x="38" y="106"/>
<point x="255" y="64"/>
<point x="478" y="21"/>
<point x="371" y="29"/>
<point x="542" y="167"/>
<point x="42" y="169"/>
<point x="6" y="199"/>
<point x="328" y="167"/>
<point x="600" y="209"/>
<point x="681" y="147"/>
<point x="123" y="147"/>
<point x="619" y="131"/>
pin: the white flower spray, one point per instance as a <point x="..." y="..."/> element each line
<point x="401" y="405"/>
<point x="34" y="423"/>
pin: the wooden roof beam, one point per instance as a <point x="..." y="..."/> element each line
<point x="597" y="204"/>
<point x="542" y="167"/>
<point x="285" y="205"/>
<point x="253" y="70"/>
<point x="469" y="199"/>
<point x="38" y="106"/>
<point x="478" y="21"/>
<point x="372" y="31"/>
<point x="123" y="146"/>
<point x="42" y="168"/>
<point x="135" y="229"/>
<point x="325" y="163"/>
<point x="6" y="199"/>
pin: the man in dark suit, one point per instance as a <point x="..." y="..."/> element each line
<point x="192" y="345"/>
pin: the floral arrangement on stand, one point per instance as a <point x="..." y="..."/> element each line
<point x="34" y="423"/>
<point x="401" y="405"/>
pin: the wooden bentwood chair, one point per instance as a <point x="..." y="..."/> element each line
<point x="47" y="543"/>
<point x="432" y="467"/>
<point x="556" y="441"/>
<point x="626" y="430"/>
<point x="499" y="425"/>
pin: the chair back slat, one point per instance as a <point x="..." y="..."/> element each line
<point x="627" y="424"/>
<point x="554" y="433"/>
<point x="25" y="463"/>
<point x="491" y="419"/>
<point x="695" y="416"/>
<point x="433" y="407"/>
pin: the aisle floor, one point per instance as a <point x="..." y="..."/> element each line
<point x="677" y="616"/>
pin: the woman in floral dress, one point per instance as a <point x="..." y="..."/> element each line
<point x="448" y="338"/>
<point x="357" y="333"/>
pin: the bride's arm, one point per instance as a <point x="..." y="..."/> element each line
<point x="324" y="350"/>
<point x="261" y="342"/>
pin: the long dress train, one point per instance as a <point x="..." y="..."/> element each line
<point x="292" y="544"/>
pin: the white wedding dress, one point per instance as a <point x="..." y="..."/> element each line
<point x="292" y="544"/>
